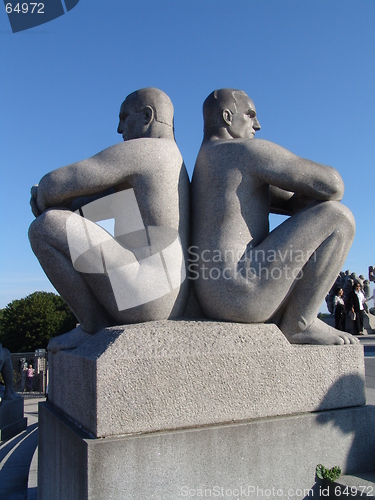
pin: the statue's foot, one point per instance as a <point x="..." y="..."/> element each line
<point x="69" y="340"/>
<point x="319" y="333"/>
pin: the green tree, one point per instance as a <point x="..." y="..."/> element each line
<point x="28" y="324"/>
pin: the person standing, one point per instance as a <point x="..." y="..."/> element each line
<point x="356" y="303"/>
<point x="24" y="368"/>
<point x="30" y="375"/>
<point x="339" y="309"/>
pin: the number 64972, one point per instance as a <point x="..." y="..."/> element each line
<point x="24" y="8"/>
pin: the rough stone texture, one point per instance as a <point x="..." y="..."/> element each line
<point x="12" y="420"/>
<point x="364" y="482"/>
<point x="273" y="454"/>
<point x="369" y="322"/>
<point x="176" y="374"/>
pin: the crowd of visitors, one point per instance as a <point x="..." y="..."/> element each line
<point x="347" y="301"/>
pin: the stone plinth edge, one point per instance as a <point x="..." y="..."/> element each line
<point x="178" y="374"/>
<point x="272" y="457"/>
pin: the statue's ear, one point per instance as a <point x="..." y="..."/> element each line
<point x="148" y="114"/>
<point x="227" y="116"/>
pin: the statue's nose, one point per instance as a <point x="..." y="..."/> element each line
<point x="256" y="124"/>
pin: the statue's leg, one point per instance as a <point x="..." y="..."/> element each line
<point x="332" y="226"/>
<point x="285" y="278"/>
<point x="48" y="238"/>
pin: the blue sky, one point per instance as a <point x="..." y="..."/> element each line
<point x="308" y="65"/>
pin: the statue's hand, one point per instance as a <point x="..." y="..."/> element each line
<point x="35" y="201"/>
<point x="34" y="206"/>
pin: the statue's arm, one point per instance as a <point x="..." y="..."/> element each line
<point x="286" y="202"/>
<point x="109" y="168"/>
<point x="307" y="180"/>
<point x="105" y="209"/>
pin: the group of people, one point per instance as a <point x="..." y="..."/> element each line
<point x="353" y="306"/>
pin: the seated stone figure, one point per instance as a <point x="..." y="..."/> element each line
<point x="139" y="273"/>
<point x="241" y="271"/>
<point x="6" y="370"/>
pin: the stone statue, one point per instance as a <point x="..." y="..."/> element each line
<point x="366" y="288"/>
<point x="241" y="271"/>
<point x="139" y="273"/>
<point x="6" y="370"/>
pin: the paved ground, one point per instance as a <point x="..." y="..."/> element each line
<point x="17" y="459"/>
<point x="19" y="455"/>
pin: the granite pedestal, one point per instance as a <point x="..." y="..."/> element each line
<point x="12" y="420"/>
<point x="151" y="410"/>
<point x="271" y="457"/>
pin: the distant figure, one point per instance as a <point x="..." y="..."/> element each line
<point x="6" y="370"/>
<point x="356" y="302"/>
<point x="241" y="271"/>
<point x="371" y="273"/>
<point x="139" y="274"/>
<point x="23" y="374"/>
<point x="30" y="376"/>
<point x="339" y="310"/>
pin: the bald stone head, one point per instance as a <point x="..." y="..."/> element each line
<point x="146" y="112"/>
<point x="229" y="113"/>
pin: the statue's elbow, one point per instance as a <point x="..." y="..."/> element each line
<point x="336" y="187"/>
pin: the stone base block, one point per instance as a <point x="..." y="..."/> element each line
<point x="264" y="458"/>
<point x="177" y="374"/>
<point x="12" y="421"/>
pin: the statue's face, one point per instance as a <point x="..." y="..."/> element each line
<point x="244" y="122"/>
<point x="131" y="122"/>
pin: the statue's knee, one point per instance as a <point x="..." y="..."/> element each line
<point x="45" y="227"/>
<point x="37" y="230"/>
<point x="34" y="231"/>
<point x="341" y="216"/>
<point x="346" y="218"/>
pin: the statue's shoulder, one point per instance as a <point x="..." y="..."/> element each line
<point x="140" y="152"/>
<point x="237" y="144"/>
<point x="230" y="148"/>
<point x="146" y="145"/>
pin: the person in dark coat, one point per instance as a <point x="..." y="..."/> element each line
<point x="339" y="309"/>
<point x="356" y="304"/>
